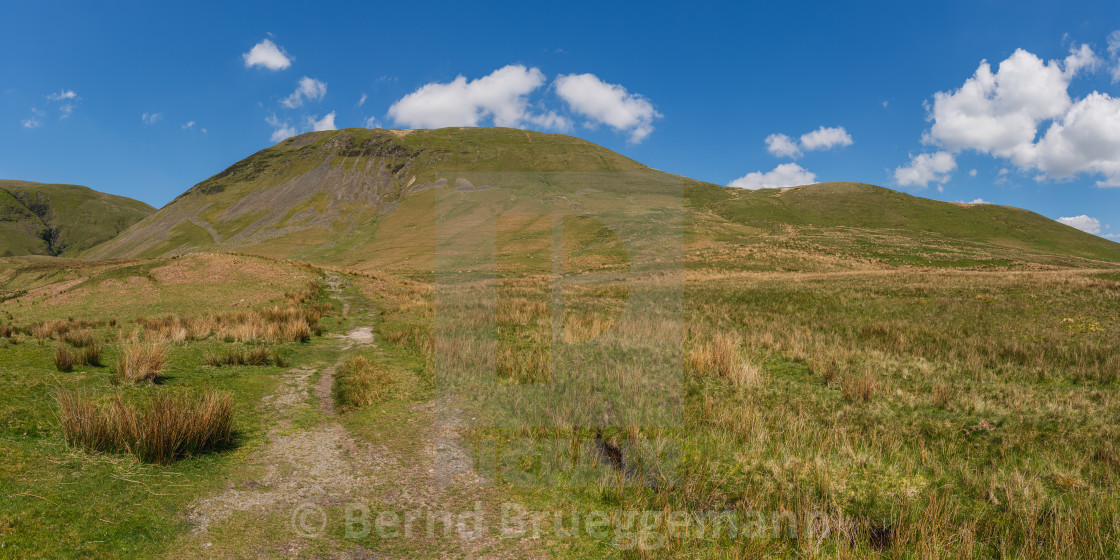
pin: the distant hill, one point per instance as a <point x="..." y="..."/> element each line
<point x="378" y="199"/>
<point x="44" y="219"/>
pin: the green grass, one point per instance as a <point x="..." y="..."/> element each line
<point x="38" y="218"/>
<point x="807" y="228"/>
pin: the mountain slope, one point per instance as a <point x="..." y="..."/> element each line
<point x="45" y="219"/>
<point x="385" y="198"/>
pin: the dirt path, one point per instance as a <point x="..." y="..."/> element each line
<point x="310" y="470"/>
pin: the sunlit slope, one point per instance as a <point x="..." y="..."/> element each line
<point x="43" y="219"/>
<point x="394" y="199"/>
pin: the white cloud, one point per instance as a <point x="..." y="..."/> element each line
<point x="609" y="104"/>
<point x="309" y="89"/>
<point x="975" y="201"/>
<point x="188" y="125"/>
<point x="325" y="123"/>
<point x="1114" y="54"/>
<point x="268" y="55"/>
<point x="501" y="96"/>
<point x="972" y="172"/>
<point x="823" y="138"/>
<point x="1083" y="223"/>
<point x="31" y="122"/>
<point x="551" y="121"/>
<point x="371" y="123"/>
<point x="65" y="110"/>
<point x="784" y="175"/>
<point x="151" y="118"/>
<point x="362" y="100"/>
<point x="826" y="138"/>
<point x="63" y="95"/>
<point x="782" y="146"/>
<point x="1005" y="114"/>
<point x="281" y="129"/>
<point x="1084" y="140"/>
<point x="926" y="168"/>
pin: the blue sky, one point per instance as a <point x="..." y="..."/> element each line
<point x="895" y="92"/>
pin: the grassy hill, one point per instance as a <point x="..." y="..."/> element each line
<point x="42" y="219"/>
<point x="371" y="198"/>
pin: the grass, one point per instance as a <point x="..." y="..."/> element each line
<point x="163" y="429"/>
<point x="360" y="381"/>
<point x="76" y="217"/>
<point x="244" y="357"/>
<point x="140" y="362"/>
<point x="62" y="501"/>
<point x="927" y="413"/>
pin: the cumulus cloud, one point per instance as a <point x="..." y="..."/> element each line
<point x="826" y="138"/>
<point x="975" y="201"/>
<point x="1023" y="112"/>
<point x="31" y="122"/>
<point x="926" y="168"/>
<point x="371" y="123"/>
<point x="1083" y="223"/>
<point x="268" y="55"/>
<point x="823" y="138"/>
<point x="784" y="175"/>
<point x="188" y="125"/>
<point x="501" y="96"/>
<point x="280" y="129"/>
<point x="610" y="104"/>
<point x="326" y="123"/>
<point x="151" y="118"/>
<point x="782" y="146"/>
<point x="309" y="89"/>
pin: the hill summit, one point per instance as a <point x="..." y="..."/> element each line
<point x="370" y="198"/>
<point x="45" y="219"/>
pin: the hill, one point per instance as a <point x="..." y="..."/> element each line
<point x="371" y="199"/>
<point x="45" y="219"/>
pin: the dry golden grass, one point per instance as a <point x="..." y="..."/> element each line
<point x="722" y="356"/>
<point x="140" y="361"/>
<point x="160" y="431"/>
<point x="360" y="382"/>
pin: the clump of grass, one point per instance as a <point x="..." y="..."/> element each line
<point x="360" y="381"/>
<point x="251" y="357"/>
<point x="80" y="339"/>
<point x="859" y="388"/>
<point x="162" y="430"/>
<point x="64" y="358"/>
<point x="722" y="357"/>
<point x="140" y="361"/>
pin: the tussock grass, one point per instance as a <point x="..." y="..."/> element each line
<point x="243" y="357"/>
<point x="360" y="381"/>
<point x="722" y="357"/>
<point x="140" y="362"/>
<point x="163" y="429"/>
<point x="64" y="358"/>
<point x="80" y="338"/>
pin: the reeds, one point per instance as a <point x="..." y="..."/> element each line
<point x="161" y="430"/>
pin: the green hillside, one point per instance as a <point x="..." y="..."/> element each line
<point x="43" y="219"/>
<point x="371" y="199"/>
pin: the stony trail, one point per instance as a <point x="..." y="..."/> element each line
<point x="308" y="471"/>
